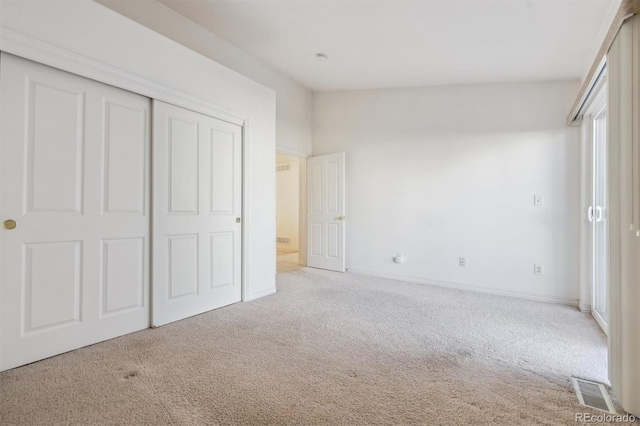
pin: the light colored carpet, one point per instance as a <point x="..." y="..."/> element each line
<point x="328" y="348"/>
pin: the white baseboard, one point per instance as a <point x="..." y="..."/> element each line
<point x="259" y="294"/>
<point x="584" y="307"/>
<point x="518" y="295"/>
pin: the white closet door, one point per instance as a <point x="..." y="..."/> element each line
<point x="73" y="173"/>
<point x="197" y="203"/>
<point x="326" y="212"/>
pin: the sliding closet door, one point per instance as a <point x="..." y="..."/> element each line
<point x="74" y="203"/>
<point x="197" y="200"/>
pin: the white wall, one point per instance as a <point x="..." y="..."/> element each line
<point x="85" y="28"/>
<point x="447" y="172"/>
<point x="293" y="102"/>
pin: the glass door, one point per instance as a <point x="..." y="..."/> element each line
<point x="598" y="215"/>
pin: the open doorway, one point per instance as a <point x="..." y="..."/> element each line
<point x="289" y="188"/>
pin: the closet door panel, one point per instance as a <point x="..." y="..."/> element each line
<point x="74" y="166"/>
<point x="124" y="158"/>
<point x="197" y="227"/>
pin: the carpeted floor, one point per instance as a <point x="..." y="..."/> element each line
<point x="328" y="348"/>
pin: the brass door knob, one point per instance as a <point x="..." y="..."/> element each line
<point x="9" y="224"/>
<point x="237" y="220"/>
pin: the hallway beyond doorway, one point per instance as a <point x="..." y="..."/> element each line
<point x="287" y="212"/>
<point x="287" y="260"/>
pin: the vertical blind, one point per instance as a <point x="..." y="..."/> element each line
<point x="623" y="65"/>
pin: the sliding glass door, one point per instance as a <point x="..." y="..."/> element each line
<point x="598" y="216"/>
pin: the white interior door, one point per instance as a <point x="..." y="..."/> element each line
<point x="326" y="212"/>
<point x="74" y="202"/>
<point x="197" y="204"/>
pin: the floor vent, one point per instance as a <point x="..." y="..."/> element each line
<point x="593" y="395"/>
<point x="283" y="167"/>
<point x="285" y="240"/>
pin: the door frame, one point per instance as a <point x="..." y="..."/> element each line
<point x="599" y="107"/>
<point x="302" y="217"/>
<point x="45" y="53"/>
<point x="596" y="103"/>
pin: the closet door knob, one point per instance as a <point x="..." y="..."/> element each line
<point x="9" y="224"/>
<point x="237" y="220"/>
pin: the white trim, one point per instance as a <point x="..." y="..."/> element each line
<point x="597" y="99"/>
<point x="259" y="294"/>
<point x="246" y="173"/>
<point x="54" y="56"/>
<point x="601" y="322"/>
<point x="457" y="286"/>
<point x="584" y="307"/>
<point x="292" y="153"/>
<point x="596" y="80"/>
<point x="302" y="227"/>
<point x="39" y="51"/>
<point x="586" y="200"/>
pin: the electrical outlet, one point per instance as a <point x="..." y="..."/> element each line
<point x="538" y="200"/>
<point x="462" y="261"/>
<point x="399" y="258"/>
<point x="538" y="270"/>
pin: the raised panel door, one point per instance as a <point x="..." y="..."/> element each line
<point x="74" y="165"/>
